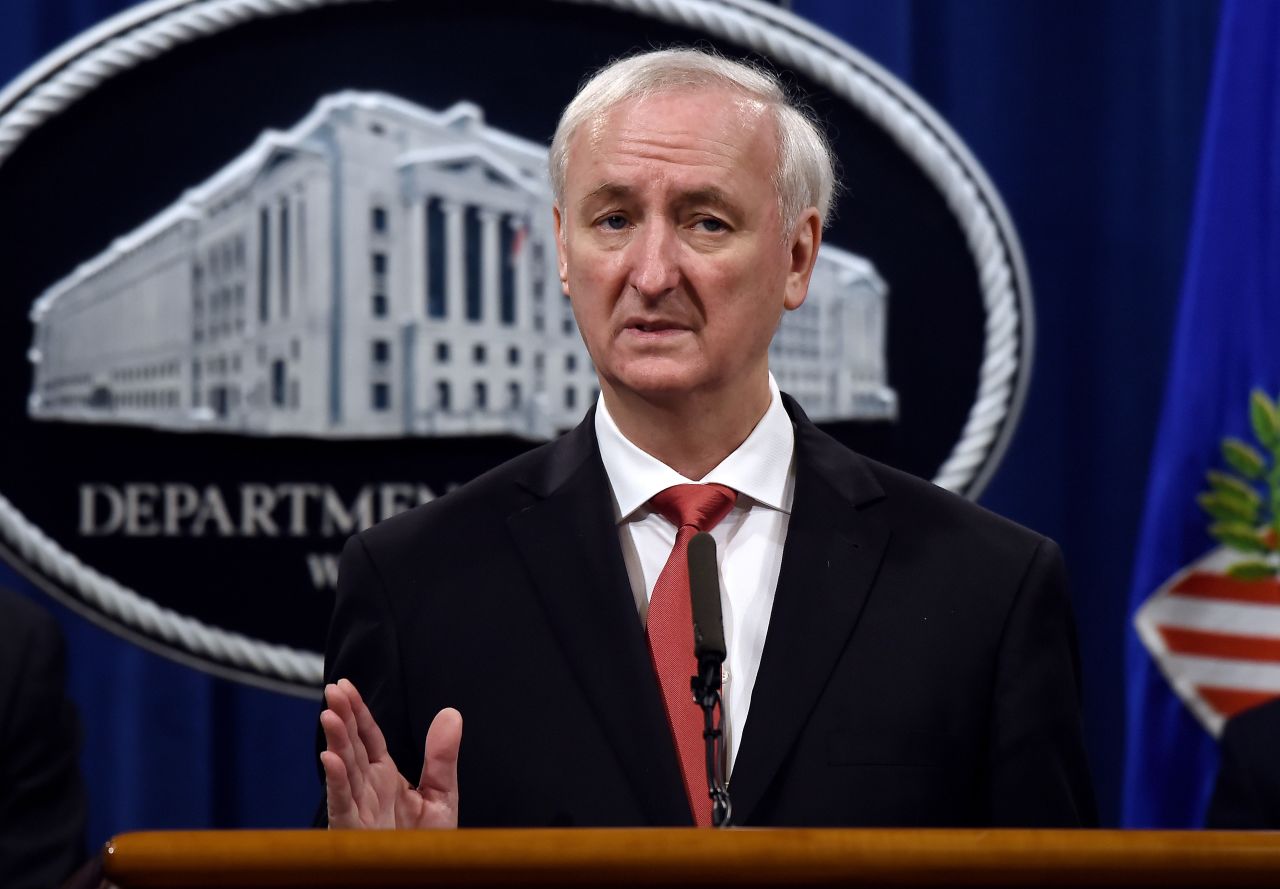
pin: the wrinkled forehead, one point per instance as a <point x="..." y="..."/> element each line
<point x="710" y="116"/>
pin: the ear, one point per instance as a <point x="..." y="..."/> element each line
<point x="562" y="254"/>
<point x="806" y="238"/>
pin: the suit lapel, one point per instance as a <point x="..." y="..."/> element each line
<point x="833" y="550"/>
<point x="569" y="542"/>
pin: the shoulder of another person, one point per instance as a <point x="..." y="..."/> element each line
<point x="31" y="656"/>
<point x="19" y="612"/>
<point x="25" y="626"/>
<point x="1255" y="728"/>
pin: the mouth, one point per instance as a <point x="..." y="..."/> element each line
<point x="652" y="326"/>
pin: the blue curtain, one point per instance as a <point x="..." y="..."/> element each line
<point x="1086" y="115"/>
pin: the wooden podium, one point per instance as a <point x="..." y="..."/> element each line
<point x="666" y="857"/>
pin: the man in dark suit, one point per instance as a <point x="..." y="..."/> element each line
<point x="898" y="656"/>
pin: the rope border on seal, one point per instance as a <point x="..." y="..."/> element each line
<point x="774" y="33"/>
<point x="138" y="612"/>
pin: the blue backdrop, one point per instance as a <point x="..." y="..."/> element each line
<point x="1087" y="116"/>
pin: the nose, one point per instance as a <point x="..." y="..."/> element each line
<point x="654" y="260"/>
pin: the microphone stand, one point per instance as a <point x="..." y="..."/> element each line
<point x="709" y="651"/>
<point x="706" y="692"/>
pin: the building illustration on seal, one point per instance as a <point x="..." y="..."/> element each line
<point x="380" y="270"/>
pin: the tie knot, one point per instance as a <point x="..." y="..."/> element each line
<point x="699" y="506"/>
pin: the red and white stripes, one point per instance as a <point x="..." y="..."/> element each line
<point x="1215" y="638"/>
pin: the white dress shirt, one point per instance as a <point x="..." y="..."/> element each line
<point x="749" y="539"/>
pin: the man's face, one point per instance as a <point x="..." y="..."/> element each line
<point x="671" y="248"/>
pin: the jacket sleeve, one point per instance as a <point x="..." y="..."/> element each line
<point x="1039" y="775"/>
<point x="364" y="646"/>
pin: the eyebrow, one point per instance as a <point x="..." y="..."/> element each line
<point x="710" y="196"/>
<point x="608" y="190"/>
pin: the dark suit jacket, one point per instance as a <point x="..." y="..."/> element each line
<point x="42" y="803"/>
<point x="920" y="666"/>
<point x="1247" y="793"/>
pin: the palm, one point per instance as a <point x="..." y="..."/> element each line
<point x="365" y="788"/>
<point x="384" y="799"/>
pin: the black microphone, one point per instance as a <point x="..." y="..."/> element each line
<point x="709" y="649"/>
<point x="704" y="588"/>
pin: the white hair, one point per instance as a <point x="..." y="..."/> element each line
<point x="805" y="176"/>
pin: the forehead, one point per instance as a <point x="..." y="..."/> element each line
<point x="709" y="133"/>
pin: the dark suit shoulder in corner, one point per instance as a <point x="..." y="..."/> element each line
<point x="32" y="651"/>
<point x="42" y="803"/>
<point x="1247" y="793"/>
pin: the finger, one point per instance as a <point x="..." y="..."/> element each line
<point x="335" y="733"/>
<point x="341" y="698"/>
<point x="341" y="737"/>
<point x="375" y="744"/>
<point x="440" y="762"/>
<point x="337" y="742"/>
<point x="339" y="802"/>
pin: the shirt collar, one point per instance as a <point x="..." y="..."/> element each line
<point x="760" y="468"/>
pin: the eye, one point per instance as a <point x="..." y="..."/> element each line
<point x="615" y="222"/>
<point x="711" y="225"/>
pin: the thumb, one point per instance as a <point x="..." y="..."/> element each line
<point x="440" y="760"/>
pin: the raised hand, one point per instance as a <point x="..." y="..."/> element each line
<point x="363" y="786"/>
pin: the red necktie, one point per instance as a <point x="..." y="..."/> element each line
<point x="691" y="508"/>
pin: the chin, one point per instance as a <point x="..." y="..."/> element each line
<point x="658" y="381"/>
